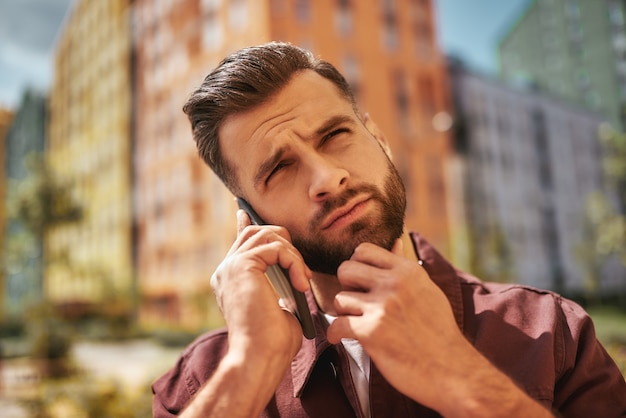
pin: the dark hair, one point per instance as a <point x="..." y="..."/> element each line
<point x="243" y="80"/>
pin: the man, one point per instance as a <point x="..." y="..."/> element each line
<point x="400" y="332"/>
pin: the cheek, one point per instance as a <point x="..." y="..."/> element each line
<point x="289" y="210"/>
<point x="370" y="167"/>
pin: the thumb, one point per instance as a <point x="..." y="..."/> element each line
<point x="243" y="220"/>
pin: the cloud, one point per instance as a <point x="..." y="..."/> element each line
<point x="28" y="29"/>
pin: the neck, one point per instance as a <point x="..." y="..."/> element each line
<point x="326" y="286"/>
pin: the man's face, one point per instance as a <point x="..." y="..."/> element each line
<point x="304" y="160"/>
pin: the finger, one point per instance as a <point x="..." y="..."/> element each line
<point x="282" y="253"/>
<point x="374" y="255"/>
<point x="355" y="275"/>
<point x="342" y="327"/>
<point x="243" y="220"/>
<point x="262" y="247"/>
<point x="261" y="233"/>
<point x="272" y="245"/>
<point x="350" y="303"/>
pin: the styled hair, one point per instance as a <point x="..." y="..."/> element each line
<point x="242" y="81"/>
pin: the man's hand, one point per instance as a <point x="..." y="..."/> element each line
<point x="263" y="338"/>
<point x="246" y="298"/>
<point x="405" y="323"/>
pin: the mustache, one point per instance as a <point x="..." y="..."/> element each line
<point x="333" y="203"/>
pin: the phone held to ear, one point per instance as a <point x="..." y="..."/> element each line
<point x="293" y="299"/>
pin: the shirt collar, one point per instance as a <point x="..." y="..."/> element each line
<point x="442" y="273"/>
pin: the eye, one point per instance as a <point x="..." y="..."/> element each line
<point x="276" y="169"/>
<point x="334" y="133"/>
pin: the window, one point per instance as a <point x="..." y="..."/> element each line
<point x="343" y="17"/>
<point x="540" y="137"/>
<point x="212" y="32"/>
<point x="350" y="69"/>
<point x="582" y="77"/>
<point x="211" y="5"/>
<point x="573" y="10"/>
<point x="390" y="25"/>
<point x="426" y="95"/>
<point x="277" y="7"/>
<point x="436" y="185"/>
<point x="616" y="15"/>
<point x="401" y="99"/>
<point x="238" y="14"/>
<point x="418" y="9"/>
<point x="303" y="10"/>
<point x="422" y="36"/>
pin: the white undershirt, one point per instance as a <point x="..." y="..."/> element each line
<point x="359" y="368"/>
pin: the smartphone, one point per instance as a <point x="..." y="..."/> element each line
<point x="293" y="299"/>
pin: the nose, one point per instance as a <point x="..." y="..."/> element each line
<point x="327" y="178"/>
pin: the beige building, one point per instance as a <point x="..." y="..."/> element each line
<point x="185" y="217"/>
<point x="90" y="147"/>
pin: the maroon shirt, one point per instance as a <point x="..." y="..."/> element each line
<point x="545" y="343"/>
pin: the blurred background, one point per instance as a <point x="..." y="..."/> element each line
<point x="506" y="121"/>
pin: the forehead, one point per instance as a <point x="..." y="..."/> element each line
<point x="296" y="111"/>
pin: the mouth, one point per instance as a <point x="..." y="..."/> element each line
<point x="346" y="214"/>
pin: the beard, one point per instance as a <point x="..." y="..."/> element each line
<point x="382" y="229"/>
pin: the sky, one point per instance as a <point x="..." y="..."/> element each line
<point x="468" y="29"/>
<point x="27" y="33"/>
<point x="471" y="29"/>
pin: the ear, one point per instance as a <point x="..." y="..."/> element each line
<point x="373" y="129"/>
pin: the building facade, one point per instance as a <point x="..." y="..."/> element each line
<point x="530" y="162"/>
<point x="22" y="246"/>
<point x="573" y="49"/>
<point x="90" y="147"/>
<point x="185" y="217"/>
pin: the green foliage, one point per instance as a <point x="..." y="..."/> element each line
<point x="610" y="324"/>
<point x="491" y="257"/>
<point x="11" y="328"/>
<point x="174" y="337"/>
<point x="82" y="396"/>
<point x="605" y="220"/>
<point x="41" y="200"/>
<point x="614" y="160"/>
<point x="35" y="204"/>
<point x="51" y="339"/>
<point x="607" y="227"/>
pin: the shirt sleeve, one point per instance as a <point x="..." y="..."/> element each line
<point x="170" y="392"/>
<point x="589" y="383"/>
<point x="175" y="389"/>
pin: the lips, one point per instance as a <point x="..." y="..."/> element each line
<point x="343" y="211"/>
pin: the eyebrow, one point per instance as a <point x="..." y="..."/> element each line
<point x="269" y="163"/>
<point x="333" y="122"/>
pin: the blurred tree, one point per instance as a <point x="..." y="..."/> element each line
<point x="605" y="220"/>
<point x="83" y="396"/>
<point x="36" y="203"/>
<point x="614" y="161"/>
<point x="42" y="200"/>
<point x="491" y="258"/>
